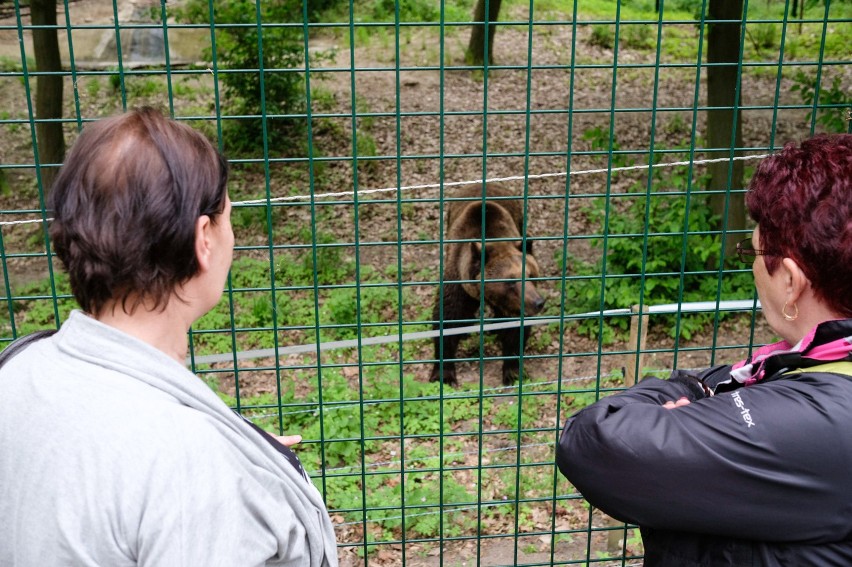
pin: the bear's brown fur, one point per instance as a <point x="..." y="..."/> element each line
<point x="504" y="260"/>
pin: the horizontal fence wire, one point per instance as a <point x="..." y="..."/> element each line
<point x="482" y="327"/>
<point x="457" y="183"/>
<point x="351" y="129"/>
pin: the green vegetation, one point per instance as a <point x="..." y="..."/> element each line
<point x="839" y="100"/>
<point x="656" y="246"/>
<point x="38" y="310"/>
<point x="378" y="11"/>
<point x="679" y="40"/>
<point x="277" y="92"/>
<point x="603" y="35"/>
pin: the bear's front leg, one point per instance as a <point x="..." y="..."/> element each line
<point x="456" y="305"/>
<point x="444" y="370"/>
<point x="511" y="342"/>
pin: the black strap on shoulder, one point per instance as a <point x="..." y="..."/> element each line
<point x="281" y="448"/>
<point x="21" y="343"/>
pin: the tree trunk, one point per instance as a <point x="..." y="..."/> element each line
<point x="476" y="47"/>
<point x="51" y="140"/>
<point x="723" y="46"/>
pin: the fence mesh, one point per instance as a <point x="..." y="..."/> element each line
<point x="624" y="132"/>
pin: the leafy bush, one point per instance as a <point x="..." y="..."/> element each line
<point x="409" y="10"/>
<point x="764" y="35"/>
<point x="237" y="51"/>
<point x="602" y="36"/>
<point x="332" y="267"/>
<point x="834" y="118"/>
<point x="638" y="37"/>
<point x="378" y="304"/>
<point x="598" y="138"/>
<point x="670" y="253"/>
<point x="630" y="36"/>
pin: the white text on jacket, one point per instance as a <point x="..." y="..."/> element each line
<point x="738" y="401"/>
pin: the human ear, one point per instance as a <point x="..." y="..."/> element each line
<point x="795" y="279"/>
<point x="203" y="249"/>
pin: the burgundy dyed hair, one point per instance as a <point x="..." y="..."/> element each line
<point x="802" y="200"/>
<point x="125" y="206"/>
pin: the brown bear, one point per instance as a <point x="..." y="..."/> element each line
<point x="504" y="261"/>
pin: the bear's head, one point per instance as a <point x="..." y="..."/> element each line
<point x="505" y="263"/>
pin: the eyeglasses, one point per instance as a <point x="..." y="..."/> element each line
<point x="746" y="251"/>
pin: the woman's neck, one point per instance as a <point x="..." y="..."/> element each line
<point x="163" y="328"/>
<point x="811" y="312"/>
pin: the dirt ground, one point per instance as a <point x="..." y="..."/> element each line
<point x="443" y="136"/>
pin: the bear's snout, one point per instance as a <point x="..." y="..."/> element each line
<point x="534" y="306"/>
<point x="533" y="301"/>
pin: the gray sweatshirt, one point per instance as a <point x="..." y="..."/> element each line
<point x="113" y="454"/>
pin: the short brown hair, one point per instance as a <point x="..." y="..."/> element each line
<point x="125" y="206"/>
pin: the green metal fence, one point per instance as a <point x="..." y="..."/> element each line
<point x="598" y="116"/>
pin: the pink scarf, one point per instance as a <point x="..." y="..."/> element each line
<point x="752" y="369"/>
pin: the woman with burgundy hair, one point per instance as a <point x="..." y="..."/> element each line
<point x="748" y="464"/>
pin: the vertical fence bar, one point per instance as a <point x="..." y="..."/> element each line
<point x="119" y="55"/>
<point x="732" y="153"/>
<point x="690" y="173"/>
<point x="72" y="63"/>
<point x="566" y="217"/>
<point x="357" y="238"/>
<point x="264" y="124"/>
<point x="521" y="329"/>
<point x="315" y="279"/>
<point x="7" y="287"/>
<point x="606" y="235"/>
<point x="638" y="340"/>
<point x="818" y="80"/>
<point x="486" y="63"/>
<point x="37" y="162"/>
<point x="399" y="279"/>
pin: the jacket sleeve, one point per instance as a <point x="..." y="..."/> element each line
<point x="208" y="505"/>
<point x="768" y="462"/>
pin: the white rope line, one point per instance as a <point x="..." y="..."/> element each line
<point x="671" y="308"/>
<point x="496" y="180"/>
<point x="457" y="183"/>
<point x="30" y="221"/>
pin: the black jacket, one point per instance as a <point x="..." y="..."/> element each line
<point x="752" y="476"/>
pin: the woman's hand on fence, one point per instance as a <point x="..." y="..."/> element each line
<point x="288" y="440"/>
<point x="680" y="403"/>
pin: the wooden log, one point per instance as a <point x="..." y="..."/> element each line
<point x="638" y="340"/>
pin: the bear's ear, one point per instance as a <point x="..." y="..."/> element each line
<point x="479" y="253"/>
<point x="526" y="248"/>
<point x="476" y="249"/>
<point x="478" y="257"/>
